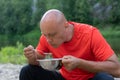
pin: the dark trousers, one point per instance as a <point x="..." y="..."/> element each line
<point x="102" y="76"/>
<point x="31" y="72"/>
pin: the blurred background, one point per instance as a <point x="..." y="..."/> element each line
<point x="19" y="22"/>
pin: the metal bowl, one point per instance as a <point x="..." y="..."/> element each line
<point x="50" y="64"/>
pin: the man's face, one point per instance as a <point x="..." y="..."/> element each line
<point x="55" y="34"/>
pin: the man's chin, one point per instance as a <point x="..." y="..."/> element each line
<point x="55" y="46"/>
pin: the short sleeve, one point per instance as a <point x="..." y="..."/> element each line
<point x="100" y="48"/>
<point x="42" y="45"/>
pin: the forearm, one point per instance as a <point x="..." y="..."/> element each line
<point x="106" y="66"/>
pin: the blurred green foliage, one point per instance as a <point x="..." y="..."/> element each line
<point x="12" y="54"/>
<point x="19" y="20"/>
<point x="112" y="36"/>
<point x="15" y="17"/>
<point x="18" y="17"/>
<point x="31" y="38"/>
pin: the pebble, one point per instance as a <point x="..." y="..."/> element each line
<point x="9" y="71"/>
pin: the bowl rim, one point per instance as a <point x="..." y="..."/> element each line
<point x="52" y="59"/>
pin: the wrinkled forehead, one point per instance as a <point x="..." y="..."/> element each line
<point x="49" y="22"/>
<point x="49" y="27"/>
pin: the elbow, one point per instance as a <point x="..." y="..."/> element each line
<point x="117" y="74"/>
<point x="117" y="71"/>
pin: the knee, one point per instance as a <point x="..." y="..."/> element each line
<point x="25" y="70"/>
<point x="30" y="69"/>
<point x="103" y="76"/>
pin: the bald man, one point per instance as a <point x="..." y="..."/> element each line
<point x="85" y="53"/>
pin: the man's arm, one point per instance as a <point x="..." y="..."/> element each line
<point x="111" y="65"/>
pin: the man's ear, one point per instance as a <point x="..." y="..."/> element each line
<point x="66" y="24"/>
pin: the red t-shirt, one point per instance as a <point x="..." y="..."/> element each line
<point x="87" y="43"/>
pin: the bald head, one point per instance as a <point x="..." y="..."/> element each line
<point x="53" y="16"/>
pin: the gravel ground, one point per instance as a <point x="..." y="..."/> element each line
<point x="11" y="72"/>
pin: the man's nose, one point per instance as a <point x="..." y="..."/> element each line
<point x="49" y="39"/>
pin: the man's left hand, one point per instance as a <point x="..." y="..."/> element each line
<point x="70" y="62"/>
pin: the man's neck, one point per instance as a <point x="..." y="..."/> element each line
<point x="69" y="33"/>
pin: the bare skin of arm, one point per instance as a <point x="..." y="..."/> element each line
<point x="32" y="55"/>
<point x="111" y="65"/>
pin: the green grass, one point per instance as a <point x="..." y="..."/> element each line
<point x="14" y="59"/>
<point x="12" y="54"/>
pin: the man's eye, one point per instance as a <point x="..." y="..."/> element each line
<point x="44" y="34"/>
<point x="49" y="35"/>
<point x="52" y="35"/>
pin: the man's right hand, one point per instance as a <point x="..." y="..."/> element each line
<point x="30" y="54"/>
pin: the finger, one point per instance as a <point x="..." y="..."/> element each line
<point x="25" y="49"/>
<point x="30" y="47"/>
<point x="29" y="55"/>
<point x="28" y="52"/>
<point x="67" y="56"/>
<point x="65" y="60"/>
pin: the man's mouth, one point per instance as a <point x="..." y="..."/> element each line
<point x="54" y="45"/>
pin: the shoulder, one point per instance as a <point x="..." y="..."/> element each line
<point x="83" y="28"/>
<point x="42" y="39"/>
